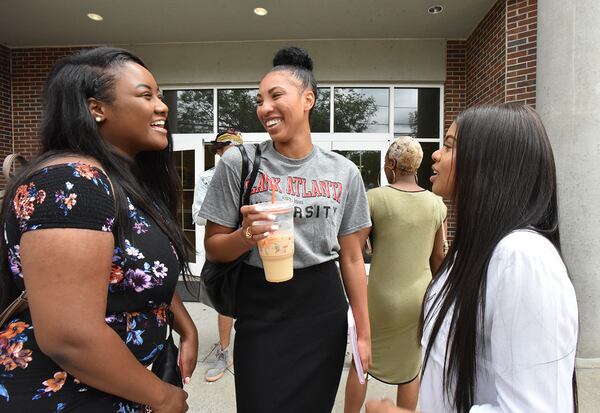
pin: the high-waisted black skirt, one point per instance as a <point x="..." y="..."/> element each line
<point x="290" y="341"/>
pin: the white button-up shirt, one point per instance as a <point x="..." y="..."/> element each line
<point x="530" y="334"/>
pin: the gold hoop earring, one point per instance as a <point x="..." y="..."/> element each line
<point x="393" y="176"/>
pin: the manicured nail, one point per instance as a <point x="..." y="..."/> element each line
<point x="271" y="216"/>
<point x="266" y="234"/>
<point x="274" y="227"/>
<point x="258" y="208"/>
<point x="187" y="380"/>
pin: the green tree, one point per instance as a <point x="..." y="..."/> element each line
<point x="353" y="111"/>
<point x="194" y="111"/>
<point x="237" y="109"/>
<point x="413" y="122"/>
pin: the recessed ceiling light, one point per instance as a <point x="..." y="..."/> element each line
<point x="435" y="9"/>
<point x="260" y="11"/>
<point x="95" y="17"/>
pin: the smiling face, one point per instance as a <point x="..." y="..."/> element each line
<point x="134" y="120"/>
<point x="444" y="166"/>
<point x="282" y="106"/>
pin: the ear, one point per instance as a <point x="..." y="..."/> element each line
<point x="96" y="108"/>
<point x="309" y="100"/>
<point x="391" y="164"/>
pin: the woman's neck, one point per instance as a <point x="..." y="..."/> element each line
<point x="300" y="146"/>
<point x="405" y="182"/>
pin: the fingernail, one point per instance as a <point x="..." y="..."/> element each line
<point x="271" y="216"/>
<point x="187" y="380"/>
<point x="258" y="208"/>
<point x="266" y="234"/>
<point x="274" y="227"/>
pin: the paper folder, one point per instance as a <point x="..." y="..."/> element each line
<point x="354" y="344"/>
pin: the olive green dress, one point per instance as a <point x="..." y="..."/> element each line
<point x="404" y="228"/>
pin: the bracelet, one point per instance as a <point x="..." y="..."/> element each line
<point x="248" y="233"/>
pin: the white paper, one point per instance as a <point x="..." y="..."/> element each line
<point x="354" y="344"/>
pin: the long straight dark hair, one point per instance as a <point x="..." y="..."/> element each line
<point x="150" y="180"/>
<point x="505" y="180"/>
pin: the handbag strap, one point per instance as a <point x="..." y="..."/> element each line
<point x="245" y="162"/>
<point x="245" y="191"/>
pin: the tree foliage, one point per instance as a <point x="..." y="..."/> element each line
<point x="353" y="110"/>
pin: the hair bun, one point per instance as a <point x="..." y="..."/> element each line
<point x="293" y="56"/>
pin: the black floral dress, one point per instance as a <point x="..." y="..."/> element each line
<point x="140" y="287"/>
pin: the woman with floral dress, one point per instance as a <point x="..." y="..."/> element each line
<point x="90" y="233"/>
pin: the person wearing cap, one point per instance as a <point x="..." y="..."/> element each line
<point x="223" y="142"/>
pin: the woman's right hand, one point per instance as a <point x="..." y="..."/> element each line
<point x="256" y="224"/>
<point x="174" y="401"/>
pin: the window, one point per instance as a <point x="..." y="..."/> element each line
<point x="184" y="161"/>
<point x="417" y="112"/>
<point x="321" y="113"/>
<point x="190" y="111"/>
<point x="361" y="110"/>
<point x="237" y="110"/>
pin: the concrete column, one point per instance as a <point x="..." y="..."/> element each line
<point x="568" y="99"/>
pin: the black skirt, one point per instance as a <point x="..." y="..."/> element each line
<point x="290" y="341"/>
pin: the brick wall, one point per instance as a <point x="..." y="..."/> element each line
<point x="495" y="64"/>
<point x="455" y="89"/>
<point x="521" y="51"/>
<point x="486" y="58"/>
<point x="30" y="68"/>
<point x="5" y="107"/>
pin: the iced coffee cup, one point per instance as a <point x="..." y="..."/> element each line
<point x="277" y="250"/>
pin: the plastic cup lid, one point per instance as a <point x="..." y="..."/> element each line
<point x="277" y="207"/>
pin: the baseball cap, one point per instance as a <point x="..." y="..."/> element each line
<point x="229" y="137"/>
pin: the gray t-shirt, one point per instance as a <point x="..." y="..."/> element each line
<point x="326" y="189"/>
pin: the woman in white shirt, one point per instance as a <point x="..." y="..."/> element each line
<point x="500" y="317"/>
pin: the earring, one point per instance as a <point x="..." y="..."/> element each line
<point x="393" y="176"/>
<point x="98" y="119"/>
<point x="416" y="179"/>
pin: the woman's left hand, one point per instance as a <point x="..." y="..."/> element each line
<point x="364" y="348"/>
<point x="188" y="355"/>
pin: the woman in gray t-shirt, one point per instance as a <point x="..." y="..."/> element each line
<point x="291" y="337"/>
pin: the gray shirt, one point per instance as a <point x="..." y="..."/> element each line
<point x="326" y="189"/>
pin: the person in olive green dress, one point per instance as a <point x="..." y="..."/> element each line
<point x="408" y="246"/>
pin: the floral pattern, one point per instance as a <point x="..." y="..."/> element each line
<point x="25" y="201"/>
<point x="66" y="202"/>
<point x="142" y="279"/>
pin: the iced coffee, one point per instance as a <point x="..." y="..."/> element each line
<point x="277" y="250"/>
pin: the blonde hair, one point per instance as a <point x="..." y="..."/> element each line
<point x="407" y="153"/>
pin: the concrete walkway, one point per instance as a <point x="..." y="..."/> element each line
<point x="219" y="397"/>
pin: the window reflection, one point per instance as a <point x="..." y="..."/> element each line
<point x="190" y="111"/>
<point x="417" y="112"/>
<point x="361" y="110"/>
<point x="237" y="109"/>
<point x="319" y="119"/>
<point x="184" y="161"/>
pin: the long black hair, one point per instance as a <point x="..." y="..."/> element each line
<point x="150" y="180"/>
<point x="505" y="179"/>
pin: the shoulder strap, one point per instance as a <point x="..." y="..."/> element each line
<point x="246" y="190"/>
<point x="245" y="162"/>
<point x="255" y="167"/>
